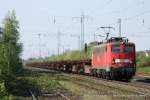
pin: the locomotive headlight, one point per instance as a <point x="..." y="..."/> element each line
<point x="123" y="60"/>
<point x="117" y="60"/>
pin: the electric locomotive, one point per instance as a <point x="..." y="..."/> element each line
<point x="114" y="59"/>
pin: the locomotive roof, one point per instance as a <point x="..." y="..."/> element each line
<point x="114" y="40"/>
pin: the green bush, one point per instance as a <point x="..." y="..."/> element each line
<point x="143" y="62"/>
<point x="3" y="94"/>
<point x="73" y="55"/>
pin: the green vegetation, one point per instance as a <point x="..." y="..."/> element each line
<point x="74" y="54"/>
<point x="71" y="55"/>
<point x="142" y="60"/>
<point x="143" y="63"/>
<point x="37" y="82"/>
<point x="34" y="81"/>
<point x="56" y="82"/>
<point x="10" y="50"/>
<point x="144" y="70"/>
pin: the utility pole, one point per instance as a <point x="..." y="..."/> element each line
<point x="39" y="37"/>
<point x="58" y="43"/>
<point x="82" y="30"/>
<point x="82" y="21"/>
<point x="58" y="37"/>
<point x="119" y="22"/>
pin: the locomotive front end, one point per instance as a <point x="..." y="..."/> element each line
<point x="123" y="60"/>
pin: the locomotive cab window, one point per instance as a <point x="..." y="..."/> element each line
<point x="128" y="48"/>
<point x="116" y="48"/>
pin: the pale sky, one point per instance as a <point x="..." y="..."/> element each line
<point x="36" y="16"/>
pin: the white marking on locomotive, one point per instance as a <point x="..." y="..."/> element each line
<point x="123" y="60"/>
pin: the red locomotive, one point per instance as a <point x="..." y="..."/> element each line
<point x="114" y="59"/>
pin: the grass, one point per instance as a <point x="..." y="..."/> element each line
<point x="144" y="70"/>
<point x="54" y="82"/>
<point x="36" y="82"/>
<point x="95" y="91"/>
<point x="101" y="87"/>
<point x="46" y="81"/>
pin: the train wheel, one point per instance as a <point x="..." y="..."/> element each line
<point x="112" y="76"/>
<point x="99" y="73"/>
<point x="94" y="72"/>
<point x="119" y="76"/>
<point x="108" y="75"/>
<point x="103" y="74"/>
<point x="127" y="77"/>
<point x="91" y="72"/>
<point x="81" y="71"/>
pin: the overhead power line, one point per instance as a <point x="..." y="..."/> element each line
<point x="135" y="16"/>
<point x="132" y="17"/>
<point x="106" y="4"/>
<point x="128" y="19"/>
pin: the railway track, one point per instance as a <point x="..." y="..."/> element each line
<point x="134" y="82"/>
<point x="133" y="86"/>
<point x="55" y="96"/>
<point x="38" y="94"/>
<point x="48" y="96"/>
<point x="139" y="87"/>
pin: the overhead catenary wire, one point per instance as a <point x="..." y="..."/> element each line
<point x="129" y="19"/>
<point x="132" y="17"/>
<point x="137" y="15"/>
<point x="106" y="4"/>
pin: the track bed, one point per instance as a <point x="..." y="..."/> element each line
<point x="89" y="88"/>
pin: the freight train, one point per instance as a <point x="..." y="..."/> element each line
<point x="112" y="59"/>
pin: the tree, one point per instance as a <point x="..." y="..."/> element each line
<point x="10" y="52"/>
<point x="12" y="47"/>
